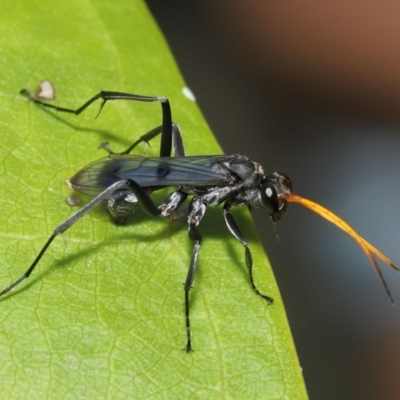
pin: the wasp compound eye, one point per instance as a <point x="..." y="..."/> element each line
<point x="269" y="198"/>
<point x="274" y="191"/>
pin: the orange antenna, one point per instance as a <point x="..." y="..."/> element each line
<point x="368" y="249"/>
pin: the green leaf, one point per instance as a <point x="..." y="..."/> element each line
<point x="102" y="315"/>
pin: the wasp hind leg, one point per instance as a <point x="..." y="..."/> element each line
<point x="170" y="134"/>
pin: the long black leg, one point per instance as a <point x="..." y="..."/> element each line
<point x="234" y="229"/>
<point x="166" y="126"/>
<point x="63" y="227"/>
<point x="171" y="202"/>
<point x="197" y="210"/>
<point x="177" y="142"/>
<point x="142" y="139"/>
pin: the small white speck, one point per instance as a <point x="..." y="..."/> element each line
<point x="45" y="91"/>
<point x="268" y="192"/>
<point x="188" y="93"/>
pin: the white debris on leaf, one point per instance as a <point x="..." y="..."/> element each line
<point x="45" y="91"/>
<point x="188" y="93"/>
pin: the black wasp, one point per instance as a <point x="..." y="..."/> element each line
<point x="124" y="180"/>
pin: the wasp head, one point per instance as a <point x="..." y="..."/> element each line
<point x="273" y="192"/>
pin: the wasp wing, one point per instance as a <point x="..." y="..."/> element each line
<point x="152" y="172"/>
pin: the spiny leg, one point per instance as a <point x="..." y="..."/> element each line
<point x="197" y="210"/>
<point x="166" y="126"/>
<point x="234" y="229"/>
<point x="177" y="142"/>
<point x="142" y="139"/>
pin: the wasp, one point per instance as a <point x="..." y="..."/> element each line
<point x="124" y="181"/>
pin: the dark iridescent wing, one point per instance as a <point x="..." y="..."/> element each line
<point x="151" y="172"/>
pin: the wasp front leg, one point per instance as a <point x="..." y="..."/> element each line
<point x="234" y="229"/>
